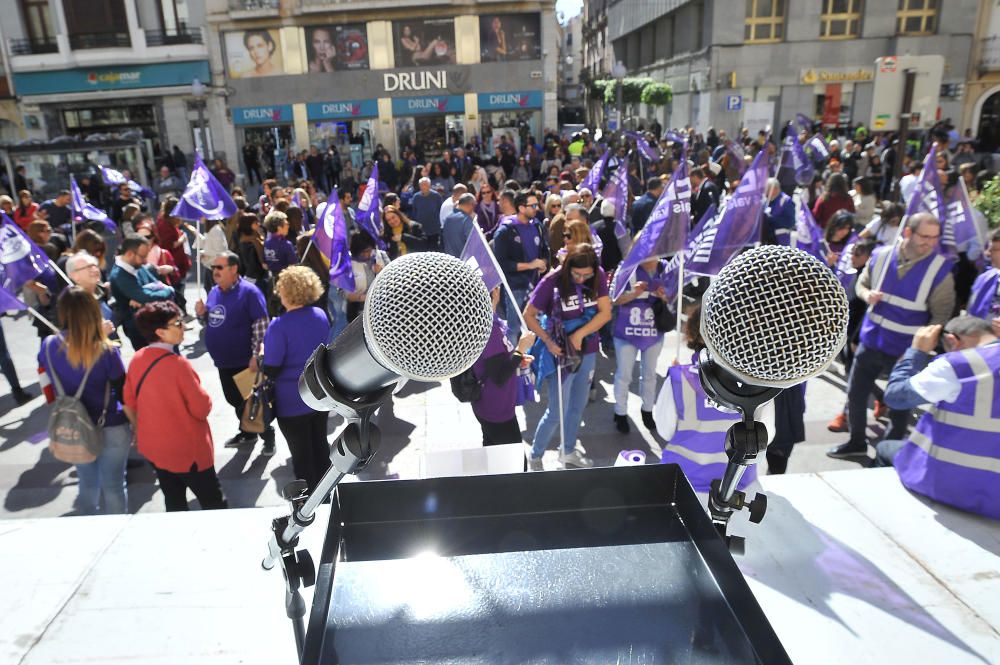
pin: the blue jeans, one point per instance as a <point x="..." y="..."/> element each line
<point x="575" y="390"/>
<point x="510" y="315"/>
<point x="868" y="365"/>
<point x="625" y="355"/>
<point x="106" y="474"/>
<point x="885" y="451"/>
<point x="336" y="307"/>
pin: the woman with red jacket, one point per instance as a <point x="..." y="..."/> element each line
<point x="169" y="409"/>
<point x="834" y="199"/>
<point x="24" y="213"/>
<point x="170" y="234"/>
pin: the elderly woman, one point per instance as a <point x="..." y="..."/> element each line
<point x="169" y="407"/>
<point x="291" y="338"/>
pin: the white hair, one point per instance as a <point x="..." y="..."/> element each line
<point x="78" y="260"/>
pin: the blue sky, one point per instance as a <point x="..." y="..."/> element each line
<point x="569" y="8"/>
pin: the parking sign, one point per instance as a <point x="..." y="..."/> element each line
<point x="734" y="103"/>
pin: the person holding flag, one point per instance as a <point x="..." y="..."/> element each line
<point x="331" y="239"/>
<point x="779" y="215"/>
<point x="984" y="300"/>
<point x="520" y="245"/>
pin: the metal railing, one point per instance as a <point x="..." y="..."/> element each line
<point x="252" y="5"/>
<point x="33" y="46"/>
<point x="179" y="35"/>
<point x="88" y="40"/>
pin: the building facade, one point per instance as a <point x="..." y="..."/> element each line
<point x="982" y="91"/>
<point x="81" y="68"/>
<point x="571" y="98"/>
<point x="759" y="62"/>
<point x="403" y="73"/>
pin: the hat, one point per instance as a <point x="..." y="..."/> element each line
<point x="715" y="168"/>
<point x="607" y="208"/>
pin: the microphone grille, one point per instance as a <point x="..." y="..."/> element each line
<point x="427" y="316"/>
<point x="774" y="316"/>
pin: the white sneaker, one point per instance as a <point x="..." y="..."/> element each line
<point x="535" y="464"/>
<point x="576" y="458"/>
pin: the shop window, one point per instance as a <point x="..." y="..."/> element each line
<point x="765" y="21"/>
<point x="916" y="17"/>
<point x="841" y="19"/>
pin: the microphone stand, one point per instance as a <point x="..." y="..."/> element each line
<point x="351" y="452"/>
<point x="746" y="440"/>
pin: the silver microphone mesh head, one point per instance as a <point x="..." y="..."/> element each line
<point x="427" y="316"/>
<point x="774" y="317"/>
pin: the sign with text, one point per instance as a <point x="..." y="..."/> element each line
<point x="890" y="82"/>
<point x="346" y="110"/>
<point x="125" y="77"/>
<point x="404" y="106"/>
<point x="734" y="102"/>
<point x="510" y="101"/>
<point x="280" y="114"/>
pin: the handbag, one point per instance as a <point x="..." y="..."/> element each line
<point x="258" y="410"/>
<point x="74" y="438"/>
<point x="663" y="318"/>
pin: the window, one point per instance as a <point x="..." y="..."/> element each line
<point x="38" y="20"/>
<point x="841" y="19"/>
<point x="174" y="14"/>
<point x="916" y="17"/>
<point x="664" y="37"/>
<point x="765" y="21"/>
<point x="96" y="23"/>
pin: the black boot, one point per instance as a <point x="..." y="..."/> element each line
<point x="621" y="424"/>
<point x="647" y="420"/>
<point x="777" y="462"/>
<point x="22" y="396"/>
<point x="268" y="438"/>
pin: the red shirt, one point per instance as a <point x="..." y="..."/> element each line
<point x="172" y="411"/>
<point x="23" y="219"/>
<point x="168" y="234"/>
<point x="828" y="204"/>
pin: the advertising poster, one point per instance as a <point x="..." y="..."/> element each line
<point x="253" y="53"/>
<point x="508" y="37"/>
<point x="331" y="48"/>
<point x="424" y="42"/>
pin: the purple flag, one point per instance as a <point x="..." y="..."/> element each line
<point x="114" y="178"/>
<point x="926" y="196"/>
<point x="959" y="232"/>
<point x="296" y="199"/>
<point x="804" y="122"/>
<point x="666" y="230"/>
<point x="804" y="168"/>
<point x="737" y="226"/>
<point x="736" y="165"/>
<point x="593" y="179"/>
<point x="368" y="217"/>
<point x="478" y="255"/>
<point x="331" y="239"/>
<point x="82" y="208"/>
<point x="808" y="236"/>
<point x="204" y="196"/>
<point x="673" y="265"/>
<point x="645" y="149"/>
<point x="20" y="258"/>
<point x="675" y="137"/>
<point x="8" y="301"/>
<point x="817" y="148"/>
<point x="617" y="190"/>
<point x="845" y="269"/>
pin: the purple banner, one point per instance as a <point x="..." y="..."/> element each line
<point x="204" y="196"/>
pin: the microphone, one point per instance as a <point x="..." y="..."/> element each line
<point x="772" y="318"/>
<point x="427" y="317"/>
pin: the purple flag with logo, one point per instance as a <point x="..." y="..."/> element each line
<point x="845" y="269"/>
<point x="803" y="166"/>
<point x="927" y="195"/>
<point x="82" y="208"/>
<point x="8" y="301"/>
<point x="959" y="232"/>
<point x="477" y="254"/>
<point x="368" y="217"/>
<point x="20" y="258"/>
<point x="593" y="179"/>
<point x="331" y="239"/>
<point x="808" y="235"/>
<point x="666" y="230"/>
<point x="817" y="148"/>
<point x="673" y="265"/>
<point x="646" y="150"/>
<point x="675" y="137"/>
<point x="804" y="122"/>
<point x="737" y="226"/>
<point x="617" y="190"/>
<point x="204" y="196"/>
<point x="114" y="178"/>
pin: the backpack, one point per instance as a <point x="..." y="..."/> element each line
<point x="73" y="437"/>
<point x="466" y="387"/>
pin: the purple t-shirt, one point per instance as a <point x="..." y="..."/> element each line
<point x="229" y="323"/>
<point x="290" y="340"/>
<point x="543" y="298"/>
<point x="279" y="253"/>
<point x="109" y="367"/>
<point x="496" y="404"/>
<point x="530" y="240"/>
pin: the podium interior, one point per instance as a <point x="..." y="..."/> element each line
<point x="606" y="565"/>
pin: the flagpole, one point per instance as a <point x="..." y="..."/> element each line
<point x="59" y="272"/>
<point x="562" y="427"/>
<point x="503" y="279"/>
<point x="197" y="255"/>
<point x="31" y="310"/>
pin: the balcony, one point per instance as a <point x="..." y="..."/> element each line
<point x="33" y="46"/>
<point x="92" y="40"/>
<point x="253" y="5"/>
<point x="180" y="35"/>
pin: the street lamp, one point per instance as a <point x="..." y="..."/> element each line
<point x="618" y="72"/>
<point x="198" y="92"/>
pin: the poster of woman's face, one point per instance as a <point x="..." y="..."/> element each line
<point x="337" y="47"/>
<point x="505" y="37"/>
<point x="253" y="53"/>
<point x="424" y="42"/>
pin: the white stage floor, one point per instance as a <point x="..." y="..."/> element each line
<point x="848" y="566"/>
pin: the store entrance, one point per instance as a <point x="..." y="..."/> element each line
<point x="430" y="135"/>
<point x="267" y="148"/>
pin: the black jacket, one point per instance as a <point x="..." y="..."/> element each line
<point x="509" y="250"/>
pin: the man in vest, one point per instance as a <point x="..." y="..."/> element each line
<point x="953" y="456"/>
<point x="907" y="286"/>
<point x="984" y="301"/>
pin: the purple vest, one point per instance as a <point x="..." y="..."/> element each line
<point x="889" y="326"/>
<point x="634" y="322"/>
<point x="699" y="444"/>
<point x="954" y="454"/>
<point x="984" y="290"/>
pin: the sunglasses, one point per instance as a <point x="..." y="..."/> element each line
<point x="176" y="323"/>
<point x="222" y="267"/>
<point x="556" y="205"/>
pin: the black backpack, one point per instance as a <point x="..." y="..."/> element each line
<point x="466" y="387"/>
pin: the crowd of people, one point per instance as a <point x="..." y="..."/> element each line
<point x="558" y="238"/>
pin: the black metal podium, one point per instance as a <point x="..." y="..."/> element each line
<point x="608" y="565"/>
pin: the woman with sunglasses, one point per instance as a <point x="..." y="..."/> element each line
<point x="487" y="209"/>
<point x="574" y="299"/>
